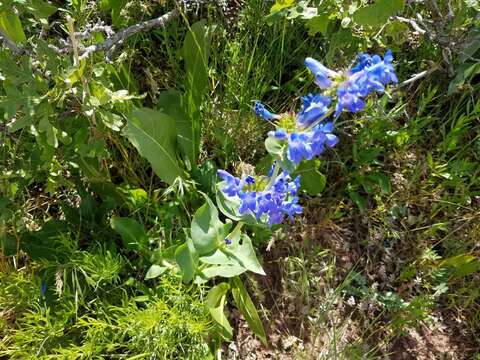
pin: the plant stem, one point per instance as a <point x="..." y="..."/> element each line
<point x="327" y="114"/>
<point x="274" y="175"/>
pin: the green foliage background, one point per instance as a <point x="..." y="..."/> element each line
<point x="105" y="162"/>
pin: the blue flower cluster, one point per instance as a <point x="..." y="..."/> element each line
<point x="370" y="74"/>
<point x="307" y="144"/>
<point x="273" y="201"/>
<point x="309" y="133"/>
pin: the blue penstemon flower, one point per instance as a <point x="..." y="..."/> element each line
<point x="269" y="199"/>
<point x="307" y="134"/>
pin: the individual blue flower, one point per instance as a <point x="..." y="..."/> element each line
<point x="261" y="110"/>
<point x="279" y="133"/>
<point x="348" y="99"/>
<point x="249" y="202"/>
<point x="291" y="208"/>
<point x="234" y="185"/>
<point x="43" y="288"/>
<point x="322" y="74"/>
<point x="323" y="137"/>
<point x="299" y="147"/>
<point x="363" y="60"/>
<point x="314" y="107"/>
<point x="250" y="180"/>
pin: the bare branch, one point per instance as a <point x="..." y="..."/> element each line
<point x="412" y="23"/>
<point x="120" y="37"/>
<point x="418" y="76"/>
<point x="10" y="44"/>
<point x="91" y="29"/>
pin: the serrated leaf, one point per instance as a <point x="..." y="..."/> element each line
<point x="42" y="10"/>
<point x="153" y="134"/>
<point x="318" y="24"/>
<point x="378" y="13"/>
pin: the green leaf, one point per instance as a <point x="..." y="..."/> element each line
<point x="42" y="10"/>
<point x="215" y="295"/>
<point x="359" y="200"/>
<point x="221" y="320"/>
<point x="381" y="180"/>
<point x="170" y="102"/>
<point x="273" y="146"/>
<point x="195" y="51"/>
<point x="240" y="252"/>
<point x="12" y="27"/>
<point x="155" y="271"/>
<point x="318" y="24"/>
<point x="187" y="259"/>
<point x="153" y="134"/>
<point x="215" y="303"/>
<point x="378" y="13"/>
<point x="208" y="232"/>
<point x="311" y="180"/>
<point x="247" y="308"/>
<point x="111" y="120"/>
<point x="133" y="234"/>
<point x="213" y="271"/>
<point x="281" y="4"/>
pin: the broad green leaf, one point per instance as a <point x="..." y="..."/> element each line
<point x="215" y="295"/>
<point x="381" y="180"/>
<point x="133" y="234"/>
<point x="378" y="13"/>
<point x="50" y="131"/>
<point x="247" y="308"/>
<point x="281" y="4"/>
<point x="12" y="27"/>
<point x="221" y="320"/>
<point x="153" y="134"/>
<point x="195" y="51"/>
<point x="111" y="120"/>
<point x="273" y="146"/>
<point x="41" y="9"/>
<point x="318" y="24"/>
<point x="359" y="200"/>
<point x="208" y="232"/>
<point x="170" y="102"/>
<point x="240" y="252"/>
<point x="213" y="271"/>
<point x="398" y="31"/>
<point x="187" y="259"/>
<point x="311" y="180"/>
<point x="155" y="271"/>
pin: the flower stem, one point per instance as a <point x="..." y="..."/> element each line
<point x="276" y="170"/>
<point x="327" y="114"/>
